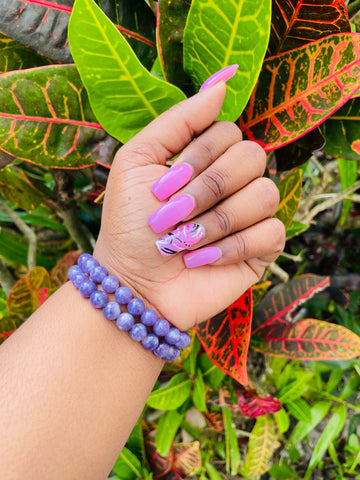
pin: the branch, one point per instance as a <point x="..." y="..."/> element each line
<point x="278" y="271"/>
<point x="6" y="279"/>
<point x="25" y="230"/>
<point x="353" y="8"/>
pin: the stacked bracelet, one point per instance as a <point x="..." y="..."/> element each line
<point x="155" y="334"/>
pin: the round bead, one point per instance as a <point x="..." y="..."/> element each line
<point x="83" y="258"/>
<point x="110" y="284"/>
<point x="184" y="341"/>
<point x="97" y="274"/>
<point x="172" y="354"/>
<point x="111" y="310"/>
<point x="136" y="306"/>
<point x="74" y="270"/>
<point x="98" y="299"/>
<point x="138" y="332"/>
<point x="123" y="295"/>
<point x="162" y="350"/>
<point x="161" y="327"/>
<point x="150" y="342"/>
<point x="125" y="321"/>
<point x="87" y="288"/>
<point x="173" y="336"/>
<point x="78" y="279"/>
<point x="149" y="317"/>
<point x="89" y="264"/>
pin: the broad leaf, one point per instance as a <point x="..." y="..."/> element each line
<point x="253" y="405"/>
<point x="297" y="22"/>
<point x="173" y="395"/>
<point x="187" y="459"/>
<point x="290" y="193"/>
<point x="342" y="132"/>
<point x="281" y="301"/>
<point x="226" y="336"/>
<point x="306" y="339"/>
<point x="8" y="324"/>
<point x="167" y="427"/>
<point x="58" y="275"/>
<point x="171" y="21"/>
<point x="225" y="32"/>
<point x="262" y="444"/>
<point x="45" y="118"/>
<point x="18" y="190"/>
<point x="127" y="466"/>
<point x="319" y="78"/>
<point x="125" y="97"/>
<point x="232" y="452"/>
<point x="29" y="293"/>
<point x="14" y="56"/>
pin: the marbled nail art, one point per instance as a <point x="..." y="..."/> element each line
<point x="180" y="239"/>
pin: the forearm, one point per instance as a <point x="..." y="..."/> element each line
<point x="72" y="387"/>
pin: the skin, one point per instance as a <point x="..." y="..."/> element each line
<point x="71" y="384"/>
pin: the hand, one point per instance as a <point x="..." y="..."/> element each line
<point x="227" y="196"/>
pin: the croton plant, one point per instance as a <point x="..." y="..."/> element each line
<point x="80" y="78"/>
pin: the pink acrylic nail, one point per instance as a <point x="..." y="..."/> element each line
<point x="171" y="213"/>
<point x="200" y="257"/>
<point x="180" y="239"/>
<point x="222" y="75"/>
<point x="174" y="179"/>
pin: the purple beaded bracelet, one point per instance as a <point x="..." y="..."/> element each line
<point x="155" y="334"/>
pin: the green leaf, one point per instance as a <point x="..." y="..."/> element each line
<point x="17" y="189"/>
<point x="45" y="118"/>
<point x="299" y="409"/>
<point x="135" y="442"/>
<point x="225" y="32"/>
<point x="331" y="431"/>
<point x="213" y="473"/>
<point x="262" y="444"/>
<point x="212" y="374"/>
<point x="233" y="459"/>
<point x="8" y="324"/>
<point x="199" y="394"/>
<point x="124" y="96"/>
<point x="290" y="193"/>
<point x="173" y="395"/>
<point x="295" y="228"/>
<point x="166" y="430"/>
<point x="41" y="217"/>
<point x="282" y="420"/>
<point x="293" y="390"/>
<point x="348" y="176"/>
<point x="127" y="466"/>
<point x="14" y="56"/>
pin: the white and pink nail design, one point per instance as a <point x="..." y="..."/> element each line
<point x="180" y="239"/>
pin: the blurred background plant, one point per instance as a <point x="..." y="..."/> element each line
<point x="289" y="407"/>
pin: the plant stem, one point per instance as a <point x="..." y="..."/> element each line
<point x="6" y="278"/>
<point x="25" y="230"/>
<point x="353" y="8"/>
<point x="278" y="271"/>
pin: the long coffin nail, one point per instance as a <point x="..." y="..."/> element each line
<point x="171" y="213"/>
<point x="180" y="239"/>
<point x="224" y="74"/>
<point x="174" y="179"/>
<point x="200" y="257"/>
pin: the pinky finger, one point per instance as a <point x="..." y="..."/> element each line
<point x="262" y="242"/>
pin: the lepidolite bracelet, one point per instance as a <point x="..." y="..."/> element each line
<point x="155" y="334"/>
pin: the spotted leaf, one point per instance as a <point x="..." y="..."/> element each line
<point x="290" y="193"/>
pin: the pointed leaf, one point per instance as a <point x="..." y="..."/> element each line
<point x="290" y="193"/>
<point x="225" y="337"/>
<point x="342" y="132"/>
<point x="187" y="459"/>
<point x="253" y="405"/>
<point x="281" y="301"/>
<point x="299" y="409"/>
<point x="297" y="22"/>
<point x="168" y="425"/>
<point x="8" y="324"/>
<point x="59" y="275"/>
<point x="171" y="19"/>
<point x="29" y="292"/>
<point x="232" y="452"/>
<point x="16" y="188"/>
<point x="298" y="90"/>
<point x="14" y="56"/>
<point x="307" y="339"/>
<point x="199" y="393"/>
<point x="125" y="97"/>
<point x="173" y="395"/>
<point x="262" y="444"/>
<point x="225" y="32"/>
<point x="45" y="118"/>
<point x="295" y="228"/>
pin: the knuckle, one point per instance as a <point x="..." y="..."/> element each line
<point x="256" y="153"/>
<point x="137" y="150"/>
<point x="223" y="221"/>
<point x="215" y="182"/>
<point x="269" y="195"/>
<point x="207" y="147"/>
<point x="230" y="129"/>
<point x="241" y="246"/>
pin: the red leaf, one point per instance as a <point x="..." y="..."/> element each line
<point x="159" y="465"/>
<point x="226" y="336"/>
<point x="187" y="459"/>
<point x="252" y="405"/>
<point x="215" y="419"/>
<point x="299" y="89"/>
<point x="58" y="275"/>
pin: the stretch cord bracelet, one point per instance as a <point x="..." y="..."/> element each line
<point x="155" y="334"/>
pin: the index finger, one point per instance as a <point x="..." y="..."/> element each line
<point x="168" y="134"/>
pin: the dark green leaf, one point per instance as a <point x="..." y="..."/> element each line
<point x="17" y="189"/>
<point x="14" y="56"/>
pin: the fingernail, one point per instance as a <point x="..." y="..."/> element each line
<point x="225" y="74"/>
<point x="180" y="239"/>
<point x="174" y="179"/>
<point x="200" y="257"/>
<point x="171" y="213"/>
